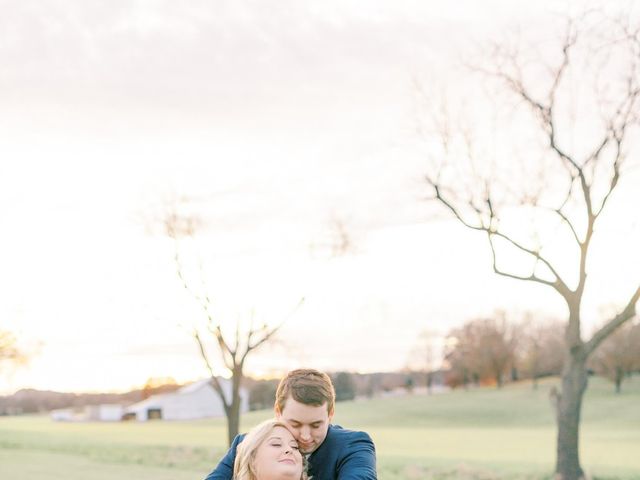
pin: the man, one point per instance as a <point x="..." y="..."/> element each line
<point x="305" y="403"/>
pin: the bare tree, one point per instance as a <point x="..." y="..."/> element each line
<point x="425" y="356"/>
<point x="458" y="356"/>
<point x="336" y="240"/>
<point x="619" y="354"/>
<point x="581" y="106"/>
<point x="233" y="348"/>
<point x="540" y="349"/>
<point x="497" y="341"/>
<point x="483" y="349"/>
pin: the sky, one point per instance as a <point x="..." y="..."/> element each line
<point x="274" y="121"/>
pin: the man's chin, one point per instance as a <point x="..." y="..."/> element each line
<point x="307" y="450"/>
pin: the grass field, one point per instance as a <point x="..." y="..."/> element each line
<point x="478" y="434"/>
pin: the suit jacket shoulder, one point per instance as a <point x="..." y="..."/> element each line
<point x="344" y="455"/>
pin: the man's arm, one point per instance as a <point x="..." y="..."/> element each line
<point x="224" y="470"/>
<point x="359" y="463"/>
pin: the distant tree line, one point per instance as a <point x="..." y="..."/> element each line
<point x="38" y="401"/>
<point x="483" y="351"/>
<point x="348" y="385"/>
<point x="261" y="392"/>
<point x="619" y="355"/>
<point x="494" y="350"/>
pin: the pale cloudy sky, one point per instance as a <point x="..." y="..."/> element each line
<point x="275" y="117"/>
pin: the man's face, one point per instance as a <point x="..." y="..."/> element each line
<point x="308" y="423"/>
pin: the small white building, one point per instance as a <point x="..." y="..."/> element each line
<point x="196" y="400"/>
<point x="105" y="412"/>
<point x="63" y="415"/>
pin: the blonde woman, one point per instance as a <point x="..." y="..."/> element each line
<point x="269" y="452"/>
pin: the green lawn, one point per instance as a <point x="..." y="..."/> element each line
<point x="477" y="434"/>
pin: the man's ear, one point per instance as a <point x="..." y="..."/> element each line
<point x="331" y="415"/>
<point x="277" y="412"/>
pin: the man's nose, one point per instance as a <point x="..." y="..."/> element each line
<point x="305" y="433"/>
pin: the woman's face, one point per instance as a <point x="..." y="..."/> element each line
<point x="278" y="457"/>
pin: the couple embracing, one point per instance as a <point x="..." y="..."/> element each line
<point x="301" y="442"/>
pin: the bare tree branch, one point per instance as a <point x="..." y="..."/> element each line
<point x="536" y="254"/>
<point x="627" y="313"/>
<point x="268" y="333"/>
<point x="531" y="278"/>
<point x="450" y="206"/>
<point x="568" y="222"/>
<point x="557" y="284"/>
<point x="214" y="378"/>
<point x="619" y="136"/>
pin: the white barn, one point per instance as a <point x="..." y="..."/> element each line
<point x="197" y="400"/>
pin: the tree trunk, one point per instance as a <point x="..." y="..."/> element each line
<point x="233" y="415"/>
<point x="618" y="380"/>
<point x="233" y="421"/>
<point x="574" y="384"/>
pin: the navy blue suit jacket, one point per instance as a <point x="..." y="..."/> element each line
<point x="344" y="455"/>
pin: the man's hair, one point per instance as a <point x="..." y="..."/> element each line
<point x="307" y="386"/>
<point x="244" y="467"/>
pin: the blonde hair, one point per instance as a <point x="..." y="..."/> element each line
<point x="244" y="467"/>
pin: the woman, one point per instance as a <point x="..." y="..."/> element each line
<point x="269" y="452"/>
